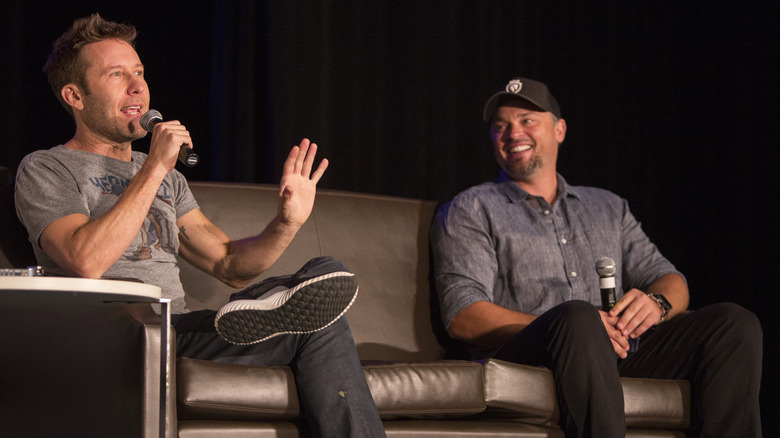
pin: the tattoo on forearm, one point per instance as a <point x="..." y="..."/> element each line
<point x="184" y="232"/>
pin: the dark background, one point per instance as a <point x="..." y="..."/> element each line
<point x="672" y="105"/>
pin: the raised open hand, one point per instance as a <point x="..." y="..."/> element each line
<point x="298" y="186"/>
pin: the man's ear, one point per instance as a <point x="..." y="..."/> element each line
<point x="71" y="94"/>
<point x="560" y="130"/>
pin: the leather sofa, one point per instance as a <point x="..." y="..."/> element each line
<point x="395" y="323"/>
<point x="384" y="241"/>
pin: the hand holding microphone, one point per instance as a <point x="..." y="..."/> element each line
<point x="606" y="269"/>
<point x="186" y="155"/>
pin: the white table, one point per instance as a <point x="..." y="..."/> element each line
<point x="66" y="291"/>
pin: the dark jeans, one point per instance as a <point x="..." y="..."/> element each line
<point x="717" y="348"/>
<point x="331" y="385"/>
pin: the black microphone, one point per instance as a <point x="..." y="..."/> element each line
<point x="186" y="155"/>
<point x="606" y="269"/>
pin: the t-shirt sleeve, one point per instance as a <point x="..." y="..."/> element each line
<point x="45" y="192"/>
<point x="185" y="200"/>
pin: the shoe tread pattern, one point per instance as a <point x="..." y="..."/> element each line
<point x="310" y="309"/>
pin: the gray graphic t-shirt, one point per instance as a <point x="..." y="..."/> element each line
<point x="58" y="182"/>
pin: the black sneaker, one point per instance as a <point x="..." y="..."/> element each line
<point x="305" y="302"/>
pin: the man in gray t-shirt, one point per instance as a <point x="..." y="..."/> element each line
<point x="95" y="208"/>
<point x="515" y="269"/>
<point x="59" y="182"/>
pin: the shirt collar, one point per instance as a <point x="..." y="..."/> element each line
<point x="516" y="194"/>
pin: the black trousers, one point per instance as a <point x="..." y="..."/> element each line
<point x="717" y="348"/>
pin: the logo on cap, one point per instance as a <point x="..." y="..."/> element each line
<point x="514" y="86"/>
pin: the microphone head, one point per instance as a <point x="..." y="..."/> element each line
<point x="606" y="267"/>
<point x="149" y="119"/>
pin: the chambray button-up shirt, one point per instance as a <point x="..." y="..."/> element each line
<point x="495" y="242"/>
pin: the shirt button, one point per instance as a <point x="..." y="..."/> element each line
<point x="573" y="273"/>
<point x="564" y="241"/>
<point x="547" y="212"/>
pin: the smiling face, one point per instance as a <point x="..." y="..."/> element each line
<point x="109" y="109"/>
<point x="526" y="140"/>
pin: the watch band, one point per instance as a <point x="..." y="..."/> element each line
<point x="663" y="303"/>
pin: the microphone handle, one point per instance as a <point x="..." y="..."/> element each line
<point x="187" y="156"/>
<point x="607" y="286"/>
<point x="607" y="298"/>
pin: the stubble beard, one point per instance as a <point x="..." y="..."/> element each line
<point x="519" y="171"/>
<point x="111" y="130"/>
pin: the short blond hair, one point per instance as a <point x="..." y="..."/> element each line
<point x="64" y="66"/>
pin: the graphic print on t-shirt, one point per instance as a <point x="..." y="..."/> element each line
<point x="157" y="231"/>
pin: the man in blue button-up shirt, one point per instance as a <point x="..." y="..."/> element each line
<point x="515" y="273"/>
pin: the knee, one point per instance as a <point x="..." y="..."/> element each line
<point x="578" y="317"/>
<point x="737" y="318"/>
<point x="576" y="309"/>
<point x="578" y="331"/>
<point x="739" y="326"/>
<point x="338" y="328"/>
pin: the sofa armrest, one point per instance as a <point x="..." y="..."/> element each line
<point x="153" y="365"/>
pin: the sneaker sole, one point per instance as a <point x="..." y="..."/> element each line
<point x="309" y="307"/>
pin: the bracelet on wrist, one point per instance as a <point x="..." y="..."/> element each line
<point x="663" y="303"/>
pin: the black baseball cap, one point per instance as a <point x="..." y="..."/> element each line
<point x="526" y="89"/>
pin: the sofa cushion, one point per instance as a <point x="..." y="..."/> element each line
<point x="213" y="390"/>
<point x="526" y="392"/>
<point x="520" y="391"/>
<point x="440" y="390"/>
<point x="656" y="403"/>
<point x="467" y="429"/>
<point x="236" y="429"/>
<point x="436" y="390"/>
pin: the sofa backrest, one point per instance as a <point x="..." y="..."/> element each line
<point x="15" y="248"/>
<point x="382" y="239"/>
